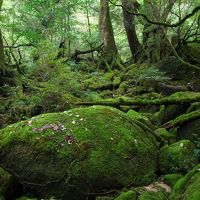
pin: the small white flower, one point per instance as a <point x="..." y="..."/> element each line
<point x="135" y="141"/>
<point x="73" y="122"/>
<point x="181" y="144"/>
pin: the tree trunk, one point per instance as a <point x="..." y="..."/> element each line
<point x="2" y="60"/>
<point x="155" y="44"/>
<point x="129" y="24"/>
<point x="110" y="52"/>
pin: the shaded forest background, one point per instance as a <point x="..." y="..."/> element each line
<point x="55" y="53"/>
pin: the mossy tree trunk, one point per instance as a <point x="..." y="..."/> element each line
<point x="110" y="53"/>
<point x="129" y="24"/>
<point x="2" y="61"/>
<point x="154" y="42"/>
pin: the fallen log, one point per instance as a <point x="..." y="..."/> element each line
<point x="79" y="52"/>
<point x="143" y="102"/>
<point x="182" y="119"/>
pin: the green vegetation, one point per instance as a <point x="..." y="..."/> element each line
<point x="171" y="179"/>
<point x="129" y="195"/>
<point x="153" y="196"/>
<point x="178" y="157"/>
<point x="99" y="99"/>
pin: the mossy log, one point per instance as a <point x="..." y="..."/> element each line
<point x="143" y="102"/>
<point x="182" y="119"/>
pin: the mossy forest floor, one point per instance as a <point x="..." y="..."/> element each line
<point x="154" y="110"/>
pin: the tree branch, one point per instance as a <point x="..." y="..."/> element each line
<point x="183" y="119"/>
<point x="78" y="52"/>
<point x="142" y="102"/>
<point x="20" y="45"/>
<point x="195" y="10"/>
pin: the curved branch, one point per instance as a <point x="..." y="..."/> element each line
<point x="20" y="45"/>
<point x="195" y="10"/>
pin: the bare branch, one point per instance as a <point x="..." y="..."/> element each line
<point x="195" y="10"/>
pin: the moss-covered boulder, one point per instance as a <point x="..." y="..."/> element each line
<point x="152" y="196"/>
<point x="178" y="157"/>
<point x="26" y="198"/>
<point x="171" y="179"/>
<point x="129" y="195"/>
<point x="187" y="188"/>
<point x="104" y="198"/>
<point x="6" y="182"/>
<point x="78" y="152"/>
<point x="162" y="132"/>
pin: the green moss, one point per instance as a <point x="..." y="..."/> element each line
<point x="165" y="134"/>
<point x="5" y="181"/>
<point x="187" y="188"/>
<point x="116" y="81"/>
<point x="26" y="198"/>
<point x="123" y="87"/>
<point x="2" y="197"/>
<point x="178" y="157"/>
<point x="189" y="127"/>
<point x="104" y="198"/>
<point x="170" y="112"/>
<point x="98" y="145"/>
<point x="171" y="179"/>
<point x="152" y="196"/>
<point x="193" y="107"/>
<point x="129" y="195"/>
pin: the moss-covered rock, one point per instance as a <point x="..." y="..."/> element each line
<point x="26" y="198"/>
<point x="165" y="134"/>
<point x="171" y="179"/>
<point x="178" y="157"/>
<point x="187" y="188"/>
<point x="140" y="117"/>
<point x="5" y="182"/>
<point x="104" y="198"/>
<point x="129" y="195"/>
<point x="136" y="115"/>
<point x="77" y="152"/>
<point x="152" y="196"/>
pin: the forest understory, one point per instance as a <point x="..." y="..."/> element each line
<point x="100" y="100"/>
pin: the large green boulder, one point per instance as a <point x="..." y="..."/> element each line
<point x="78" y="152"/>
<point x="178" y="157"/>
<point x="129" y="195"/>
<point x="187" y="188"/>
<point x="171" y="179"/>
<point x="152" y="196"/>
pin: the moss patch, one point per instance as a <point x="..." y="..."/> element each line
<point x="171" y="179"/>
<point x="129" y="195"/>
<point x="152" y="196"/>
<point x="165" y="134"/>
<point x="187" y="188"/>
<point x="178" y="157"/>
